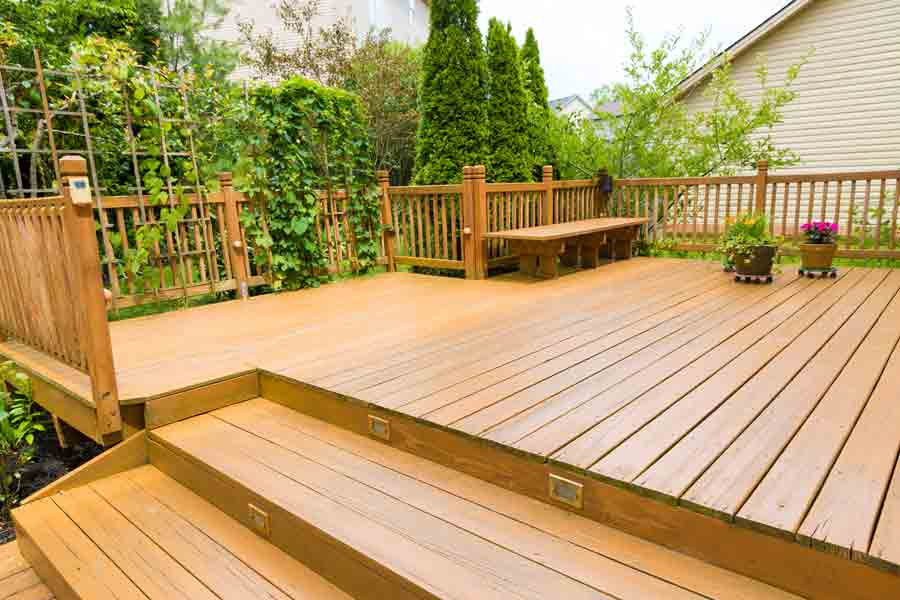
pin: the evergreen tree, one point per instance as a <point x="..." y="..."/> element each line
<point x="453" y="126"/>
<point x="539" y="115"/>
<point x="534" y="72"/>
<point x="509" y="156"/>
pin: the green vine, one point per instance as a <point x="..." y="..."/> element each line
<point x="126" y="88"/>
<point x="295" y="139"/>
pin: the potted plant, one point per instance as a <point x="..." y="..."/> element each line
<point x="817" y="253"/>
<point x="748" y="245"/>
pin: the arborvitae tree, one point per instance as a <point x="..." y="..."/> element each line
<point x="509" y="157"/>
<point x="534" y="72"/>
<point x="539" y="110"/>
<point x="453" y="126"/>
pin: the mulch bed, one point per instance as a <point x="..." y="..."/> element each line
<point x="50" y="463"/>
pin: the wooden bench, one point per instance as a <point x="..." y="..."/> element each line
<point x="591" y="239"/>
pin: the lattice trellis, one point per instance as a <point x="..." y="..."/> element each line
<point x="190" y="258"/>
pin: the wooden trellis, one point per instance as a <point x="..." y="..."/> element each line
<point x="191" y="259"/>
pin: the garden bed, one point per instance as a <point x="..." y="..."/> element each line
<point x="50" y="463"/>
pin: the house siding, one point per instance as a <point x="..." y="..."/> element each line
<point x="363" y="14"/>
<point x="846" y="116"/>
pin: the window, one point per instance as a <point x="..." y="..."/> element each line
<point x="412" y="12"/>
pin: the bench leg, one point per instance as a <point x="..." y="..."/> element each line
<point x="623" y="249"/>
<point x="549" y="270"/>
<point x="528" y="264"/>
<point x="590" y="257"/>
<point x="570" y="256"/>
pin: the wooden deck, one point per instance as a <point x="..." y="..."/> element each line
<point x="773" y="408"/>
<point x="18" y="581"/>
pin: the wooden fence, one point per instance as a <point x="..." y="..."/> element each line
<point x="692" y="213"/>
<point x="442" y="226"/>
<point x="51" y="297"/>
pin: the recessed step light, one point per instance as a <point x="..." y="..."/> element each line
<point x="380" y="428"/>
<point x="566" y="491"/>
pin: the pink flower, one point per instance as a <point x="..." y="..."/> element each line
<point x="834" y="227"/>
<point x="805" y="227"/>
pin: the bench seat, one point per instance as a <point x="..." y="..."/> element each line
<point x="589" y="239"/>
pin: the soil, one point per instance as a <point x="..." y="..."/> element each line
<point x="50" y="463"/>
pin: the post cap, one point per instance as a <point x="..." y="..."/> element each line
<point x="478" y="171"/>
<point x="72" y="166"/>
<point x="383" y="175"/>
<point x="762" y="165"/>
<point x="225" y="177"/>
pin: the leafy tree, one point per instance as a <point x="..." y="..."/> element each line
<point x="382" y="72"/>
<point x="655" y="135"/>
<point x="454" y="126"/>
<point x="185" y="43"/>
<point x="53" y="25"/>
<point x="323" y="53"/>
<point x="539" y="113"/>
<point x="509" y="157"/>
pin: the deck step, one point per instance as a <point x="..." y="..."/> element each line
<point x="381" y="523"/>
<point x="141" y="535"/>
<point x="18" y="580"/>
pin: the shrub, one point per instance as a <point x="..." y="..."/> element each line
<point x="18" y="425"/>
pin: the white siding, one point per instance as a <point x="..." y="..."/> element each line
<point x="364" y="15"/>
<point x="847" y="112"/>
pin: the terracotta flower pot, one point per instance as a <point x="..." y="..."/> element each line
<point x="817" y="257"/>
<point x="758" y="264"/>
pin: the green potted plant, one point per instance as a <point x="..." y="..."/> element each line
<point x="748" y="245"/>
<point x="817" y="253"/>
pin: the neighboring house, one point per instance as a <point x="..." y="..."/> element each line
<point x="407" y="19"/>
<point x="846" y="115"/>
<point x="573" y="106"/>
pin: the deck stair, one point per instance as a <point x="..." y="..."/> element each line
<point x="256" y="500"/>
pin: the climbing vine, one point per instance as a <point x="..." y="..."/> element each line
<point x="296" y="139"/>
<point x="137" y="105"/>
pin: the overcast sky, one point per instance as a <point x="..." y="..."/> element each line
<point x="582" y="41"/>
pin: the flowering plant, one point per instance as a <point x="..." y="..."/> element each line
<point x="820" y="232"/>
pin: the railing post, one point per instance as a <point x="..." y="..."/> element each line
<point x="547" y="208"/>
<point x="387" y="223"/>
<point x="474" y="214"/>
<point x="481" y="220"/>
<point x="85" y="253"/>
<point x="762" y="175"/>
<point x="236" y="250"/>
<point x="601" y="197"/>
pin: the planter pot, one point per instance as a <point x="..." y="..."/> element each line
<point x="817" y="257"/>
<point x="758" y="264"/>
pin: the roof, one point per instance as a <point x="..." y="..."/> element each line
<point x="560" y="103"/>
<point x="744" y="43"/>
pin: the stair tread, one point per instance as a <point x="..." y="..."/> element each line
<point x="18" y="581"/>
<point x="140" y="534"/>
<point x="447" y="533"/>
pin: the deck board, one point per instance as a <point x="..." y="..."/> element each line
<point x="484" y="533"/>
<point x="773" y="405"/>
<point x="18" y="581"/>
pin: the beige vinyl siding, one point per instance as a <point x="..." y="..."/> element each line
<point x="846" y="116"/>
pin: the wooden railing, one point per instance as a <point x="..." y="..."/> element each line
<point x="51" y="289"/>
<point x="692" y="213"/>
<point x="442" y="226"/>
